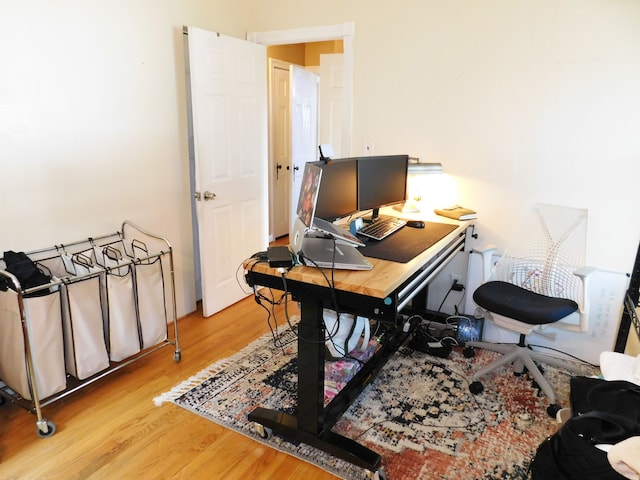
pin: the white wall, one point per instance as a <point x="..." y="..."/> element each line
<point x="93" y="121"/>
<point x="521" y="101"/>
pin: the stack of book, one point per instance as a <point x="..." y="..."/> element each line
<point x="457" y="213"/>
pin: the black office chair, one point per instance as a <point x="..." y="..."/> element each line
<point x="539" y="282"/>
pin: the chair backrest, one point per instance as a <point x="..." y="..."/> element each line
<point x="546" y="250"/>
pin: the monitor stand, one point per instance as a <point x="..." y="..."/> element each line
<point x="375" y="214"/>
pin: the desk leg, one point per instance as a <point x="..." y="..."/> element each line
<point x="308" y="424"/>
<point x="311" y="368"/>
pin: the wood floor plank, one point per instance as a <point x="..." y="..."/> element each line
<point x="112" y="429"/>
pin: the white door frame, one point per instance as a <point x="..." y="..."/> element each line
<point x="279" y="178"/>
<point x="341" y="31"/>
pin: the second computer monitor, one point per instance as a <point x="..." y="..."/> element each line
<point x="338" y="194"/>
<point x="382" y="180"/>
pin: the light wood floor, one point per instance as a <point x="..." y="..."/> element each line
<point x="112" y="429"/>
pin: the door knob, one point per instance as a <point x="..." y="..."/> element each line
<point x="209" y="195"/>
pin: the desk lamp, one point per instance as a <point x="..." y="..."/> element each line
<point x="416" y="168"/>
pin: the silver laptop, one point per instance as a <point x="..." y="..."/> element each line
<point x="313" y="251"/>
<point x="327" y="253"/>
<point x="341" y="234"/>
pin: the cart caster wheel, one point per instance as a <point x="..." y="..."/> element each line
<point x="177" y="356"/>
<point x="264" y="432"/>
<point x="469" y="352"/>
<point x="50" y="428"/>
<point x="378" y="475"/>
<point x="476" y="388"/>
<point x="553" y="409"/>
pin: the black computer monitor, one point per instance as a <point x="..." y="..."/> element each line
<point x="338" y="194"/>
<point x="382" y="181"/>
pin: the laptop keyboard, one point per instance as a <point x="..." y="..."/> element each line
<point x="382" y="227"/>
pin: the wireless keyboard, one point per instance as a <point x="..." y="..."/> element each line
<point x="382" y="227"/>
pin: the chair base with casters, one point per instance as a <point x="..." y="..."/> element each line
<point x="521" y="356"/>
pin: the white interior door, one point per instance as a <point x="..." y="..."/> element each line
<point x="331" y="101"/>
<point x="341" y="31"/>
<point x="228" y="79"/>
<point x="304" y="128"/>
<point x="280" y="148"/>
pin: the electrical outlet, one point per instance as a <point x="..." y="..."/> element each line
<point x="456" y="283"/>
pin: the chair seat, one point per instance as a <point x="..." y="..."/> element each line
<point x="523" y="305"/>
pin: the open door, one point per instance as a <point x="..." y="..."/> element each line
<point x="304" y="128"/>
<point x="228" y="103"/>
<point x="331" y="101"/>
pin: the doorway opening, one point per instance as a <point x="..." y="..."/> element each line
<point x="339" y="36"/>
<point x="325" y="60"/>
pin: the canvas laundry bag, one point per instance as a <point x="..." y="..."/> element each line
<point x="82" y="316"/>
<point x="150" y="292"/>
<point x="123" y="334"/>
<point x="44" y="327"/>
<point x="345" y="332"/>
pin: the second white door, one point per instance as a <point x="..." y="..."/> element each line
<point x="304" y="128"/>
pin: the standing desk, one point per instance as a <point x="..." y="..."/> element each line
<point x="380" y="294"/>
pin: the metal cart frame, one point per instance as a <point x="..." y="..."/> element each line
<point x="46" y="427"/>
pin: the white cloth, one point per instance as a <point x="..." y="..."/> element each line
<point x="618" y="366"/>
<point x="346" y="332"/>
<point x="624" y="457"/>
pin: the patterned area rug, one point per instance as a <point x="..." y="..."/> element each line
<point x="417" y="413"/>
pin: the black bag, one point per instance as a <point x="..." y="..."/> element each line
<point x="571" y="452"/>
<point x="614" y="396"/>
<point x="26" y="271"/>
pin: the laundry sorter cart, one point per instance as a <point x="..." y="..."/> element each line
<point x="99" y="304"/>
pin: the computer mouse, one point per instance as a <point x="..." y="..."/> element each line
<point x="415" y="223"/>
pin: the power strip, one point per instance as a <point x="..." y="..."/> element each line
<point x="424" y="341"/>
<point x="441" y="330"/>
<point x="465" y="329"/>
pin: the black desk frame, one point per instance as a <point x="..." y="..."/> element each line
<point x="313" y="422"/>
